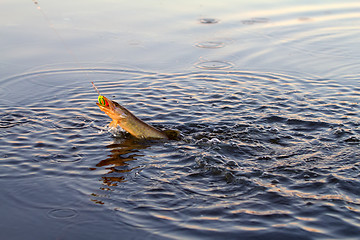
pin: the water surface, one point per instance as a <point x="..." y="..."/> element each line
<point x="266" y="97"/>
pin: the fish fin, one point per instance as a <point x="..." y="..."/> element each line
<point x="113" y="124"/>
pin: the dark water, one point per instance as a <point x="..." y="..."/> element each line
<point x="266" y="98"/>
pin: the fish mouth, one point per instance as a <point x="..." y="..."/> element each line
<point x="106" y="108"/>
<point x="112" y="109"/>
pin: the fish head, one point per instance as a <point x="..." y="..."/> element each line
<point x="114" y="110"/>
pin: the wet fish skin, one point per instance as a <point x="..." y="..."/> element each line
<point x="129" y="122"/>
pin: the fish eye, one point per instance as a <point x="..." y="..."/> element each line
<point x="116" y="104"/>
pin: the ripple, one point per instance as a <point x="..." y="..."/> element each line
<point x="321" y="34"/>
<point x="58" y="158"/>
<point x="53" y="76"/>
<point x="62" y="213"/>
<point x="214" y="65"/>
<point x="251" y="139"/>
<point x="71" y="124"/>
<point x="255" y="21"/>
<point x="210" y="44"/>
<point x="209" y="20"/>
<point x="268" y="151"/>
<point x="11" y="119"/>
<point x="7" y="124"/>
<point x="76" y="74"/>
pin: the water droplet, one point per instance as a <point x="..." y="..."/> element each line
<point x="208" y="20"/>
<point x="62" y="213"/>
<point x="210" y="44"/>
<point x="213" y="65"/>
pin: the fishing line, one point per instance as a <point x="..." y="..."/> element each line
<point x="95" y="88"/>
<point x="51" y="25"/>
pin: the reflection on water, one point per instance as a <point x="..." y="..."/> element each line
<point x="265" y="95"/>
<point x="121" y="152"/>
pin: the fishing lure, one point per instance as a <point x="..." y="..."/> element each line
<point x="103" y="101"/>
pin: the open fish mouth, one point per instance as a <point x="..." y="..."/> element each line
<point x="104" y="103"/>
<point x="114" y="110"/>
<point x="107" y="106"/>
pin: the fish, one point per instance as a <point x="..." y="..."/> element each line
<point x="128" y="121"/>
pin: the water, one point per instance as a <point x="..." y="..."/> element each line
<point x="266" y="97"/>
